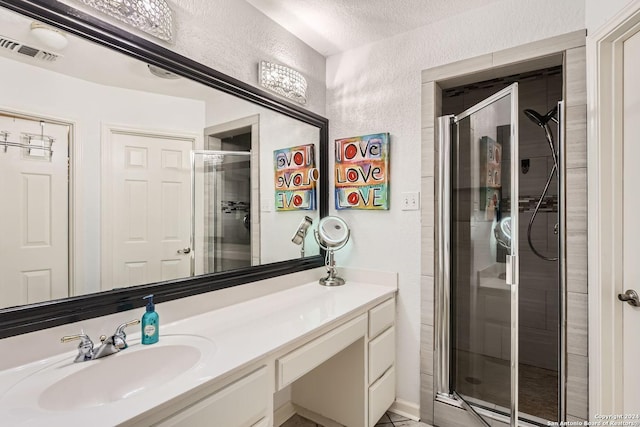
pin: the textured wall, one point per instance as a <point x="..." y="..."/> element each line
<point x="376" y="88"/>
<point x="598" y="12"/>
<point x="232" y="36"/>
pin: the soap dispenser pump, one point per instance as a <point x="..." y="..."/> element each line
<point x="150" y="323"/>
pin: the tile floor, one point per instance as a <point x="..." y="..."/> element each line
<point x="394" y="420"/>
<point x="487" y="379"/>
<point x="388" y="420"/>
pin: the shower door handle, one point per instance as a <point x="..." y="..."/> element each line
<point x="184" y="251"/>
<point x="631" y="297"/>
<point x="512" y="272"/>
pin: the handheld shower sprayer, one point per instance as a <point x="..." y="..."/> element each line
<point x="543" y="122"/>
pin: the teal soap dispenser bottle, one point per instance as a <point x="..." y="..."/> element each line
<point x="150" y="323"/>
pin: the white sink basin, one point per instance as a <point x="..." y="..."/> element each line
<point x="67" y="386"/>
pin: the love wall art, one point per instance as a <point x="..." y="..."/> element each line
<point x="362" y="172"/>
<point x="295" y="178"/>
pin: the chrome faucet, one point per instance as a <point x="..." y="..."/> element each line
<point x="85" y="348"/>
<point x="108" y="346"/>
<point x="115" y="342"/>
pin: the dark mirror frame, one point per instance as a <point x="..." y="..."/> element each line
<point x="33" y="317"/>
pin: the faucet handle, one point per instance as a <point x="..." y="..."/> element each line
<point x="120" y="329"/>
<point x="85" y="348"/>
<point x="84" y="338"/>
<point x="120" y="336"/>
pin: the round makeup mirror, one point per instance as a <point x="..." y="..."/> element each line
<point x="502" y="232"/>
<point x="332" y="234"/>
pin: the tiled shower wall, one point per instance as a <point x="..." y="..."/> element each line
<point x="576" y="180"/>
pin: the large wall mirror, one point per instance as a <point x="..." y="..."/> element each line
<point x="127" y="169"/>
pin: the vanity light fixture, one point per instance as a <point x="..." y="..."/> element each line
<point x="162" y="73"/>
<point x="283" y="80"/>
<point x="49" y="37"/>
<point x="151" y="16"/>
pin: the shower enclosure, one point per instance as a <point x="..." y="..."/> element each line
<point x="482" y="221"/>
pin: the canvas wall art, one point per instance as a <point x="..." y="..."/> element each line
<point x="295" y="178"/>
<point x="362" y="172"/>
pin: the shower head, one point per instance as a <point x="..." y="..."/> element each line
<point x="539" y="119"/>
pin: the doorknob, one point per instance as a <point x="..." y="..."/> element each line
<point x="631" y="297"/>
<point x="184" y="251"/>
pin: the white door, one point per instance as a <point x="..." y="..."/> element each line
<point x="34" y="221"/>
<point x="150" y="219"/>
<point x="631" y="214"/>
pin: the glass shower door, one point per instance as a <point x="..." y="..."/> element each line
<point x="484" y="256"/>
<point x="221" y="211"/>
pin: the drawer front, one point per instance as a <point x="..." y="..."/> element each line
<point x="242" y="403"/>
<point x="381" y="317"/>
<point x="381" y="396"/>
<point x="304" y="359"/>
<point x="382" y="353"/>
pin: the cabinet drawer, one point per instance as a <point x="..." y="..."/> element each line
<point x="239" y="404"/>
<point x="304" y="359"/>
<point x="381" y="317"/>
<point x="382" y="353"/>
<point x="381" y="396"/>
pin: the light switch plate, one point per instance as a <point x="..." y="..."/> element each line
<point x="410" y="201"/>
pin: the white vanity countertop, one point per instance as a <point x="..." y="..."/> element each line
<point x="241" y="334"/>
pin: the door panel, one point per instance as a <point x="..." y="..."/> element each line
<point x="631" y="273"/>
<point x="484" y="263"/>
<point x="34" y="248"/>
<point x="151" y="209"/>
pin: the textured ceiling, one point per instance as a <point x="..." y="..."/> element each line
<point x="332" y="26"/>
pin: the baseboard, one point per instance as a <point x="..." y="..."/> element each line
<point x="406" y="409"/>
<point x="315" y="417"/>
<point x="283" y="413"/>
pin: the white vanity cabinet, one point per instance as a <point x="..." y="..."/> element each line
<point x="356" y="385"/>
<point x="382" y="356"/>
<point x="243" y="400"/>
<point x="242" y="403"/>
<point x="343" y="372"/>
<point x="326" y="353"/>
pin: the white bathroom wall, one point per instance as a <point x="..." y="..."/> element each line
<point x="598" y="12"/>
<point x="89" y="106"/>
<point x="232" y="37"/>
<point x="276" y="131"/>
<point x="376" y="88"/>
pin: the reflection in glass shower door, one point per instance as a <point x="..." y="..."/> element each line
<point x="221" y="220"/>
<point x="483" y="263"/>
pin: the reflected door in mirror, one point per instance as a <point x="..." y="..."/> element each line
<point x="151" y="210"/>
<point x="34" y="227"/>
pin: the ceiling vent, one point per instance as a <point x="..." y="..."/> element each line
<point x="33" y="52"/>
